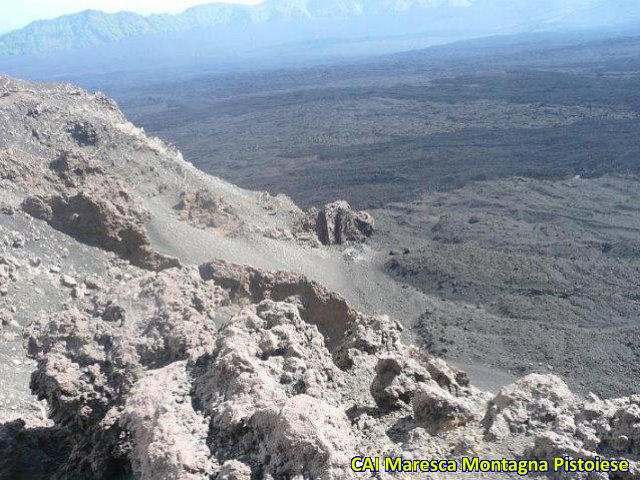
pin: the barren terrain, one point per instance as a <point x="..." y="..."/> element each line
<point x="506" y="167"/>
<point x="160" y="322"/>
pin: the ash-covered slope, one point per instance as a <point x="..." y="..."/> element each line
<point x="59" y="142"/>
<point x="155" y="355"/>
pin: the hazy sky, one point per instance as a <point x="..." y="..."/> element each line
<point x="18" y="13"/>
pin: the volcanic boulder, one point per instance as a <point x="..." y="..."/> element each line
<point x="318" y="305"/>
<point x="204" y="209"/>
<point x="533" y="402"/>
<point x="336" y="224"/>
<point x="97" y="209"/>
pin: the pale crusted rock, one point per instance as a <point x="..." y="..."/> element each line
<point x="318" y="305"/>
<point x="9" y="267"/>
<point x="169" y="437"/>
<point x="80" y="199"/>
<point x="498" y="429"/>
<point x="74" y="168"/>
<point x="396" y="381"/>
<point x="453" y="380"/>
<point x="8" y="336"/>
<point x="619" y="426"/>
<point x="94" y="283"/>
<point x="604" y="428"/>
<point x="284" y="354"/>
<point x="400" y="374"/>
<point x="278" y="233"/>
<point x="534" y="402"/>
<point x="89" y="361"/>
<point x="367" y="335"/>
<point x="234" y="470"/>
<point x="437" y="409"/>
<point x="7" y="320"/>
<point x="68" y="281"/>
<point x="306" y="437"/>
<point x="18" y="166"/>
<point x="468" y="446"/>
<point x="549" y="445"/>
<point x="204" y="209"/>
<point x="270" y="370"/>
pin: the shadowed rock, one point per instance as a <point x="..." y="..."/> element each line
<point x="97" y="209"/>
<point x="318" y="305"/>
<point x="31" y="449"/>
<point x="336" y="223"/>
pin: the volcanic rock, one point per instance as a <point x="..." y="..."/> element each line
<point x="599" y="428"/>
<point x="534" y="402"/>
<point x="97" y="209"/>
<point x="437" y="409"/>
<point x="86" y="385"/>
<point x="224" y="371"/>
<point x="396" y="381"/>
<point x="336" y="223"/>
<point x="7" y="320"/>
<point x="204" y="209"/>
<point x="318" y="305"/>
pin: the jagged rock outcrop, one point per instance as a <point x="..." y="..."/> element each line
<point x="336" y="223"/>
<point x="534" y="402"/>
<point x="147" y="374"/>
<point x="396" y="380"/>
<point x="204" y="209"/>
<point x="226" y="371"/>
<point x="119" y="371"/>
<point x="270" y="371"/>
<point x="39" y="121"/>
<point x="436" y="409"/>
<point x="88" y="361"/>
<point x="96" y="208"/>
<point x="318" y="305"/>
<point x="401" y="375"/>
<point x="440" y="396"/>
<point x="563" y="425"/>
<point x="595" y="428"/>
<point x="168" y="435"/>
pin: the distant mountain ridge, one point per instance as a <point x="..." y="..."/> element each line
<point x="91" y="27"/>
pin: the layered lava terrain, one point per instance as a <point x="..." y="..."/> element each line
<point x="175" y="326"/>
